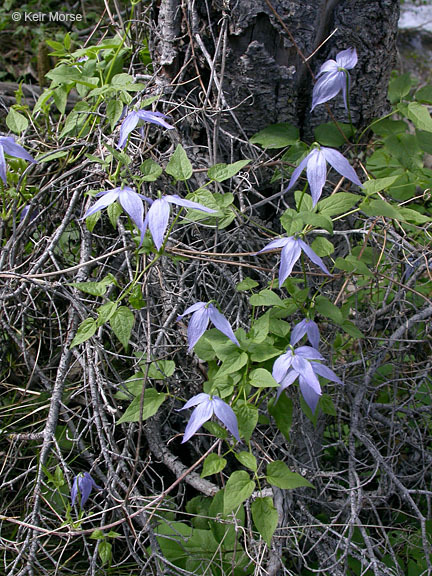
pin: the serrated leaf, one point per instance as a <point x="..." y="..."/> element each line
<point x="238" y="489"/>
<point x="221" y="172"/>
<point x="337" y="204"/>
<point x="179" y="166"/>
<point x="213" y="464"/>
<point x="150" y="170"/>
<point x="122" y="322"/>
<point x="265" y="298"/>
<point x="16" y="122"/>
<point x="276" y="136"/>
<point x="86" y="330"/>
<point x="152" y="401"/>
<point x="265" y="517"/>
<point x="261" y="378"/>
<point x="248" y="460"/>
<point x="278" y="474"/>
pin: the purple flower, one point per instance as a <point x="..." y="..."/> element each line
<point x="308" y="327"/>
<point x="333" y="77"/>
<point x="159" y="212"/>
<point x="84" y="484"/>
<point x="132" y="119"/>
<point x="203" y="312"/>
<point x="10" y="147"/>
<point x="291" y="250"/>
<point x="206" y="406"/>
<point x="301" y="364"/>
<point x="316" y="170"/>
<point x="129" y="199"/>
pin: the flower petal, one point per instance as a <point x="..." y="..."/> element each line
<point x="154" y="118"/>
<point x="304" y="368"/>
<point x="274" y="245"/>
<point x="295" y="175"/>
<point x="312" y="333"/>
<point x="314" y="257"/>
<point x="311" y="397"/>
<point x="132" y="205"/>
<point x="347" y="58"/>
<point x="193" y="308"/>
<point x="325" y="372"/>
<point x="222" y="324"/>
<point x="281" y="366"/>
<point x="127" y="126"/>
<point x="2" y="166"/>
<point x="291" y="377"/>
<point x="201" y="414"/>
<point x="341" y="165"/>
<point x="14" y="149"/>
<point x="289" y="256"/>
<point x="74" y="491"/>
<point x="158" y="217"/>
<point x="197" y="326"/>
<point x="316" y="174"/>
<point x="108" y="197"/>
<point x="308" y="353"/>
<point x="326" y="87"/>
<point x="226" y="415"/>
<point x="174" y="199"/>
<point x="195" y="400"/>
<point x="85" y="484"/>
<point x="298" y="332"/>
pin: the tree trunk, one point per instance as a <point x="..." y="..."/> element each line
<point x="249" y="63"/>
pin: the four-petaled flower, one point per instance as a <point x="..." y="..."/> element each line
<point x="10" y="147"/>
<point x="316" y="170"/>
<point x="291" y="249"/>
<point x="203" y="312"/>
<point x="132" y="119"/>
<point x="83" y="484"/>
<point x="158" y="215"/>
<point x="301" y="364"/>
<point x="333" y="77"/>
<point x="308" y="327"/>
<point x="206" y="406"/>
<point x="130" y="201"/>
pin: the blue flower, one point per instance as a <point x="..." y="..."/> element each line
<point x="130" y="201"/>
<point x="308" y="327"/>
<point x="333" y="77"/>
<point x="206" y="406"/>
<point x="159" y="212"/>
<point x="132" y="119"/>
<point x="301" y="364"/>
<point x="316" y="170"/>
<point x="203" y="312"/>
<point x="291" y="249"/>
<point x="83" y="484"/>
<point x="10" y="147"/>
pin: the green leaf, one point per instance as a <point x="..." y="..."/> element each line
<point x="150" y="170"/>
<point x="85" y="331"/>
<point x="424" y="94"/>
<point x="276" y="136"/>
<point x="292" y="221"/>
<point x="161" y="369"/>
<point x="105" y="312"/>
<point x="95" y="288"/>
<point x="16" y="122"/>
<point x="152" y="401"/>
<point x="122" y="322"/>
<point x="114" y="111"/>
<point x="213" y="464"/>
<point x="135" y="298"/>
<point x="281" y="411"/>
<point x="221" y="172"/>
<point x="97" y="535"/>
<point x="278" y="474"/>
<point x="265" y="298"/>
<point x="179" y="166"/>
<point x="380" y="207"/>
<point x="265" y="518"/>
<point x="60" y="95"/>
<point x="317" y="220"/>
<point x="420" y="116"/>
<point x="328" y="309"/>
<point x="262" y="352"/>
<point x="387" y="127"/>
<point x="351" y="329"/>
<point x="373" y="186"/>
<point x="260" y="328"/>
<point x="238" y="489"/>
<point x="399" y="87"/>
<point x="337" y="204"/>
<point x="414" y="216"/>
<point x="247" y="418"/>
<point x="114" y="211"/>
<point x="329" y="134"/>
<point x="246" y="284"/>
<point x="248" y="460"/>
<point x="232" y="364"/>
<point x="322" y="247"/>
<point x="105" y="552"/>
<point x="261" y="378"/>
